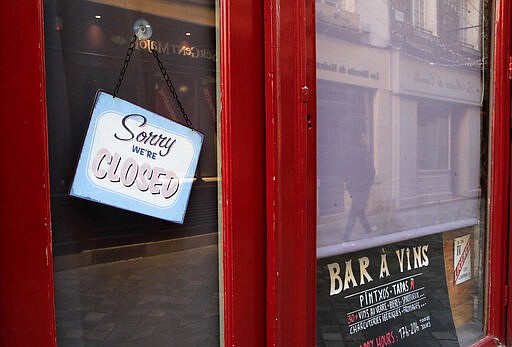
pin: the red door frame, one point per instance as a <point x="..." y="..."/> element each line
<point x="291" y="172"/>
<point x="27" y="312"/>
<point x="291" y="219"/>
<point x="499" y="179"/>
<point x="243" y="171"/>
<point x="249" y="76"/>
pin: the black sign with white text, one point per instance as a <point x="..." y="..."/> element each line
<point x="395" y="295"/>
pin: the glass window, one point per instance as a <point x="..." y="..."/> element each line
<point x="340" y="12"/>
<point x="425" y="15"/>
<point x="345" y="5"/>
<point x="433" y="138"/>
<point x="463" y="18"/>
<point x="344" y="121"/>
<point x="419" y="13"/>
<point x="469" y="19"/>
<point x="123" y="278"/>
<point x="401" y="225"/>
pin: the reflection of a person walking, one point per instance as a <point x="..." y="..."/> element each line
<point x="359" y="179"/>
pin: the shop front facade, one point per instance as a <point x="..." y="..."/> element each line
<point x="445" y="171"/>
<point x="351" y="186"/>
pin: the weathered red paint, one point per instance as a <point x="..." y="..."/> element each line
<point x="487" y="341"/>
<point x="27" y="314"/>
<point x="311" y="190"/>
<point x="291" y="178"/>
<point x="500" y="175"/>
<point x="501" y="323"/>
<point x="243" y="171"/>
<point x="503" y="93"/>
<point x="289" y="252"/>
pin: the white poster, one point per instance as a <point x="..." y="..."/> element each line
<point x="462" y="259"/>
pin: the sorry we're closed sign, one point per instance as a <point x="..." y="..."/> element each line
<point x="137" y="160"/>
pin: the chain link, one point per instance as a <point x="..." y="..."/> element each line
<point x="164" y="73"/>
<point x="125" y="65"/>
<point x="171" y="87"/>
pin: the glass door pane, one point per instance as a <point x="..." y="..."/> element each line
<point x="402" y="153"/>
<point x="123" y="278"/>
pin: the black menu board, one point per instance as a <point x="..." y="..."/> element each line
<point x="394" y="295"/>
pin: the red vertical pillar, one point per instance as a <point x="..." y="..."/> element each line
<point x="291" y="172"/>
<point x="242" y="140"/>
<point x="500" y="172"/>
<point x="27" y="315"/>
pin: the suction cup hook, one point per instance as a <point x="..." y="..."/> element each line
<point x="142" y="29"/>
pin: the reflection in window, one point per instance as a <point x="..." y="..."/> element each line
<point x="344" y="5"/>
<point x="406" y="74"/>
<point x="433" y="138"/>
<point x="469" y="22"/>
<point x="344" y="113"/>
<point x="419" y="13"/>
<point x="123" y="278"/>
<point x="425" y="15"/>
<point x="463" y="20"/>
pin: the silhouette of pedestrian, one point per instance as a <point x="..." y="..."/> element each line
<point x="359" y="179"/>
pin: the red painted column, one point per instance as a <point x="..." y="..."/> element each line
<point x="500" y="173"/>
<point x="291" y="172"/>
<point x="27" y="315"/>
<point x="242" y="99"/>
<point x="500" y="316"/>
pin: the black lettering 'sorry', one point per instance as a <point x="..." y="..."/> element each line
<point x="123" y="122"/>
<point x="151" y="138"/>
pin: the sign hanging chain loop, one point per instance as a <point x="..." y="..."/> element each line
<point x="164" y="73"/>
<point x="125" y="65"/>
<point x="171" y="87"/>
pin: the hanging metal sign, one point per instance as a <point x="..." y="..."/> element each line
<point x="137" y="160"/>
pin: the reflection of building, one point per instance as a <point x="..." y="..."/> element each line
<point x="438" y="113"/>
<point x="436" y="99"/>
<point x="407" y="74"/>
<point x="349" y="95"/>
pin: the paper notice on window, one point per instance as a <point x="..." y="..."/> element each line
<point x="462" y="259"/>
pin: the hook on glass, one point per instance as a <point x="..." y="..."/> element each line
<point x="142" y="29"/>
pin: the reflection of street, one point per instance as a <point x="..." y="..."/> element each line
<point x="459" y="213"/>
<point x="164" y="300"/>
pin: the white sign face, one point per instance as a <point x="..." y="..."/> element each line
<point x="462" y="258"/>
<point x="137" y="160"/>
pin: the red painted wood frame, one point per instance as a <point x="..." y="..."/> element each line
<point x="291" y="172"/>
<point x="27" y="312"/>
<point x="291" y="176"/>
<point x="499" y="224"/>
<point x="243" y="171"/>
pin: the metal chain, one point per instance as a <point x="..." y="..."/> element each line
<point x="164" y="73"/>
<point x="125" y="65"/>
<point x="171" y="88"/>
